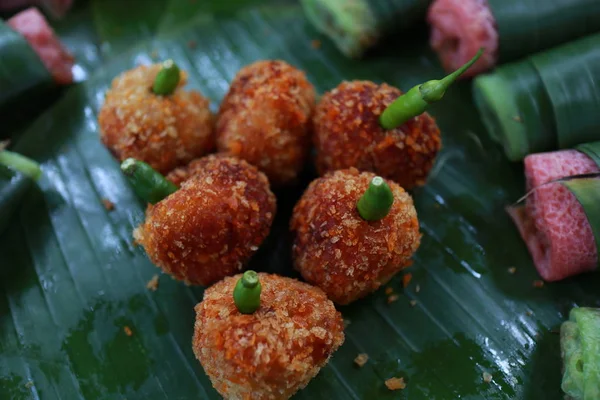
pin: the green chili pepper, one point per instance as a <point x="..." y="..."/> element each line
<point x="246" y="294"/>
<point x="417" y="100"/>
<point x="167" y="79"/>
<point x="147" y="183"/>
<point x="20" y="163"/>
<point x="377" y="201"/>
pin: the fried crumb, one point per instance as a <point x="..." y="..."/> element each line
<point x="529" y="313"/>
<point x="109" y="205"/>
<point x="153" y="283"/>
<point x="406" y="278"/>
<point x="389" y="290"/>
<point x="538" y="284"/>
<point x="4" y="144"/>
<point x="347" y="322"/>
<point x="512" y="270"/>
<point x="128" y="331"/>
<point x="29" y="384"/>
<point x="518" y="118"/>
<point x="487" y="377"/>
<point x="395" y="383"/>
<point x="417" y="289"/>
<point x="154" y="54"/>
<point x="392" y="298"/>
<point x="413" y="303"/>
<point x="316" y="44"/>
<point x="191" y="44"/>
<point x="361" y="359"/>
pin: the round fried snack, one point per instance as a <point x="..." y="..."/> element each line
<point x="265" y="119"/>
<point x="273" y="352"/>
<point x="343" y="254"/>
<point x="164" y="131"/>
<point x="347" y="134"/>
<point x="210" y="227"/>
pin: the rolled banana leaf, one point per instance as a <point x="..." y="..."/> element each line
<point x="508" y="29"/>
<point x="560" y="221"/>
<point x="356" y="25"/>
<point x="580" y="351"/>
<point x="22" y="73"/>
<point x="547" y="101"/>
<point x="528" y="26"/>
<point x="56" y="8"/>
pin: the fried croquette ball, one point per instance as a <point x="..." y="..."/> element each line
<point x="265" y="119"/>
<point x="343" y="254"/>
<point x="213" y="224"/>
<point x="347" y="134"/>
<point x="273" y="352"/>
<point x="164" y="131"/>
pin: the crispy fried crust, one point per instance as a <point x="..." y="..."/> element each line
<point x="347" y="134"/>
<point x="338" y="251"/>
<point x="273" y="352"/>
<point x="164" y="131"/>
<point x="210" y="227"/>
<point x="265" y="119"/>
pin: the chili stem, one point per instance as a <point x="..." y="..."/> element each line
<point x="376" y="202"/>
<point x="246" y="294"/>
<point x="147" y="183"/>
<point x="416" y="101"/>
<point x="20" y="163"/>
<point x="167" y="79"/>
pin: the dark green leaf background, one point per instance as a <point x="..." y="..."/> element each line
<point x="72" y="279"/>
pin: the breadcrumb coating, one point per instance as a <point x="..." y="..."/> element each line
<point x="347" y="134"/>
<point x="272" y="353"/>
<point x="338" y="251"/>
<point x="210" y="227"/>
<point x="164" y="131"/>
<point x="265" y="119"/>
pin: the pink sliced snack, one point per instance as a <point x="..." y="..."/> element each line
<point x="553" y="223"/>
<point x="458" y="29"/>
<point x="57" y="8"/>
<point x="40" y="36"/>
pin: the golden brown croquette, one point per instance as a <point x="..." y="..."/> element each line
<point x="343" y="254"/>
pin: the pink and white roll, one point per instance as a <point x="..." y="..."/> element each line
<point x="40" y="36"/>
<point x="459" y="28"/>
<point x="553" y="223"/>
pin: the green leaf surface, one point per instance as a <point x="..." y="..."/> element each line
<point x="75" y="280"/>
<point x="528" y="26"/>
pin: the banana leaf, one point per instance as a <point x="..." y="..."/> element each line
<point x="75" y="280"/>
<point x="13" y="186"/>
<point x="528" y="26"/>
<point x="356" y="25"/>
<point x="545" y="101"/>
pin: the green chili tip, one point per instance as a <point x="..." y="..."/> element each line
<point x="20" y="163"/>
<point x="376" y="202"/>
<point x="167" y="79"/>
<point x="246" y="294"/>
<point x="416" y="101"/>
<point x="147" y="183"/>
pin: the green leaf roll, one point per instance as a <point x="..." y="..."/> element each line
<point x="580" y="350"/>
<point x="356" y="25"/>
<point x="547" y="101"/>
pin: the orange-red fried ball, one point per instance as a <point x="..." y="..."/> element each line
<point x="347" y="134"/>
<point x="213" y="224"/>
<point x="272" y="353"/>
<point x="164" y="131"/>
<point x="343" y="254"/>
<point x="265" y="119"/>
